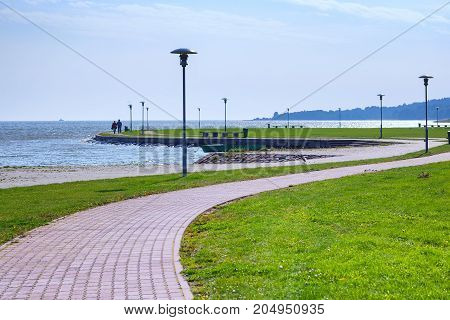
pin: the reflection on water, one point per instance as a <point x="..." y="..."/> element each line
<point x="68" y="143"/>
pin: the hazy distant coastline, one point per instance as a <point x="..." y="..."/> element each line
<point x="413" y="111"/>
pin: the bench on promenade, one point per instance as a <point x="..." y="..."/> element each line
<point x="233" y="134"/>
<point x="215" y="134"/>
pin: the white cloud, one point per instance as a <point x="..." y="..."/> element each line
<point x="38" y="2"/>
<point x="74" y="3"/>
<point x="82" y="4"/>
<point x="136" y="20"/>
<point x="370" y="12"/>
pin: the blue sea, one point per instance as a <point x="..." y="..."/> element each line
<point x="69" y="143"/>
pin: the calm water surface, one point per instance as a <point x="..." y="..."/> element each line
<point x="68" y="143"/>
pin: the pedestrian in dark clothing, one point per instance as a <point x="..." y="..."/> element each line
<point x="119" y="126"/>
<point x="114" y="127"/>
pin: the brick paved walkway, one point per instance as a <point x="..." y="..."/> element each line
<point x="129" y="250"/>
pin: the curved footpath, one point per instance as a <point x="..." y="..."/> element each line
<point x="129" y="249"/>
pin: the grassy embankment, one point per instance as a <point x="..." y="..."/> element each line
<point x="353" y="133"/>
<point x="374" y="236"/>
<point x="25" y="208"/>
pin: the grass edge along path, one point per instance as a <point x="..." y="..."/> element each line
<point x="380" y="235"/>
<point x="25" y="208"/>
<point x="306" y="133"/>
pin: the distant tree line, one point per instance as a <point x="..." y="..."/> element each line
<point x="413" y="111"/>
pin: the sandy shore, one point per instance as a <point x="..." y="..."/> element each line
<point x="28" y="176"/>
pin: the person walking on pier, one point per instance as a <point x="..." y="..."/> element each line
<point x="119" y="126"/>
<point x="114" y="127"/>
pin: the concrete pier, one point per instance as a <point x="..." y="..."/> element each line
<point x="285" y="143"/>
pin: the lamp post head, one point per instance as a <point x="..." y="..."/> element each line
<point x="425" y="79"/>
<point x="131" y="106"/>
<point x="143" y="103"/>
<point x="184" y="54"/>
<point x="381" y="96"/>
<point x="147" y="108"/>
<point x="225" y="100"/>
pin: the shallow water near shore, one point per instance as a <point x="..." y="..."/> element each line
<point x="68" y="143"/>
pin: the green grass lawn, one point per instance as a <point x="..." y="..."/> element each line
<point x="25" y="208"/>
<point x="369" y="133"/>
<point x="373" y="236"/>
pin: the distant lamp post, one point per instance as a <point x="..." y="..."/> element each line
<point x="288" y="114"/>
<point x="225" y="100"/>
<point x="148" y="128"/>
<point x="198" y="118"/>
<point x="340" y="119"/>
<point x="184" y="54"/>
<point x="131" y="116"/>
<point x="425" y="82"/>
<point x="437" y="116"/>
<point x="381" y="114"/>
<point x="142" y="128"/>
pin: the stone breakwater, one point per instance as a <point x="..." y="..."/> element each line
<point x="226" y="158"/>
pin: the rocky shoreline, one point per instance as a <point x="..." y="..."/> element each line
<point x="229" y="158"/>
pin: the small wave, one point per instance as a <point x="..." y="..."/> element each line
<point x="88" y="140"/>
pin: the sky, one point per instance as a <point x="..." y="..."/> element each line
<point x="263" y="55"/>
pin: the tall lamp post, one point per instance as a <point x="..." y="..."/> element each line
<point x="425" y="82"/>
<point x="142" y="128"/>
<point x="198" y="118"/>
<point x="147" y="120"/>
<point x="437" y="116"/>
<point x="381" y="114"/>
<point x="225" y="100"/>
<point x="131" y="116"/>
<point x="288" y="114"/>
<point x="184" y="54"/>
